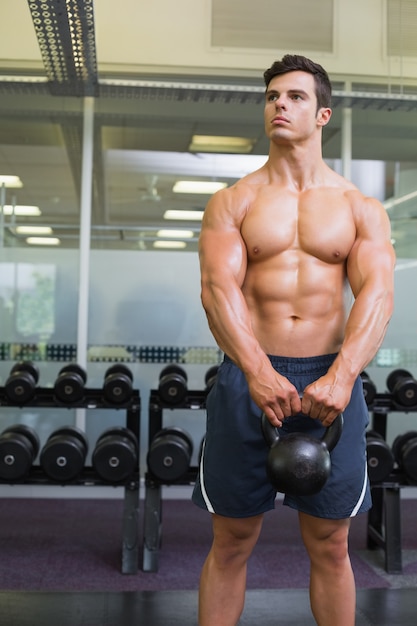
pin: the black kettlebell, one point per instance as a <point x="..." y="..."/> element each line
<point x="299" y="464"/>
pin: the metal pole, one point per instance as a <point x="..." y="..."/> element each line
<point x="85" y="237"/>
<point x="347" y="139"/>
<point x="2" y="203"/>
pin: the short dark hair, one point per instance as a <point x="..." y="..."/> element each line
<point x="296" y="62"/>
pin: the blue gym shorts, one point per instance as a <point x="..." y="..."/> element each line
<point x="232" y="478"/>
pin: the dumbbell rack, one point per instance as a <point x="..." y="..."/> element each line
<point x="93" y="399"/>
<point x="152" y="528"/>
<point x="384" y="519"/>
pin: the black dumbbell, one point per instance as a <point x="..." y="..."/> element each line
<point x="403" y="387"/>
<point x="380" y="458"/>
<point x="63" y="455"/>
<point x="115" y="456"/>
<point x="19" y="446"/>
<point x="210" y="377"/>
<point x="118" y="384"/>
<point x="369" y="388"/>
<point x="69" y="385"/>
<point x="21" y="384"/>
<point x="404" y="449"/>
<point x="169" y="454"/>
<point x="172" y="384"/>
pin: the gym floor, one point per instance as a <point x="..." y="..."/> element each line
<point x="375" y="607"/>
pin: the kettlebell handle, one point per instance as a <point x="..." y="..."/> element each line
<point x="330" y="436"/>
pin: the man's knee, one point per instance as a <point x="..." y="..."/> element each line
<point x="326" y="541"/>
<point x="235" y="538"/>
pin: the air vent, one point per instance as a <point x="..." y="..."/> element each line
<point x="292" y="26"/>
<point x="402" y="28"/>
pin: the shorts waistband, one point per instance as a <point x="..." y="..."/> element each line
<point x="298" y="365"/>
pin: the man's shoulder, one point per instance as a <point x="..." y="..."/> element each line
<point x="244" y="189"/>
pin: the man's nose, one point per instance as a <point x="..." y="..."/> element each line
<point x="280" y="103"/>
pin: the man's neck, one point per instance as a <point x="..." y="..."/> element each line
<point x="298" y="166"/>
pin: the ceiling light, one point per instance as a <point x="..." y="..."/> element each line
<point x="173" y="245"/>
<point x="22" y="210"/>
<point x="197" y="186"/>
<point x="215" y="143"/>
<point x="6" y="78"/>
<point x="43" y="241"/>
<point x="174" y="214"/>
<point x="10" y="181"/>
<point x="178" y="234"/>
<point x="33" y="230"/>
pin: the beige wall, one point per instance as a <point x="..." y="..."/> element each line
<point x="133" y="36"/>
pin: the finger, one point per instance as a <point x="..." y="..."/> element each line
<point x="306" y="406"/>
<point x="296" y="404"/>
<point x="274" y="418"/>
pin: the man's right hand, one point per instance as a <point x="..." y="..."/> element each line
<point x="275" y="395"/>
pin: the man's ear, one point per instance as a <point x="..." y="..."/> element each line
<point x="323" y="116"/>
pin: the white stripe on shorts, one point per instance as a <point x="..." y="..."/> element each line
<point x="359" y="502"/>
<point x="203" y="488"/>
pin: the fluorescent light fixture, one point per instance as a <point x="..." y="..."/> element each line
<point x="197" y="186"/>
<point x="216" y="143"/>
<point x="177" y="234"/>
<point x="174" y="214"/>
<point x="172" y="245"/>
<point x="22" y="210"/>
<point x="43" y="241"/>
<point x="11" y="181"/>
<point x="33" y="230"/>
<point x="23" y="79"/>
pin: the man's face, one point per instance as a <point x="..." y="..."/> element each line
<point x="291" y="108"/>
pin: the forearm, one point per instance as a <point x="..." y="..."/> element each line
<point x="229" y="321"/>
<point x="365" y="330"/>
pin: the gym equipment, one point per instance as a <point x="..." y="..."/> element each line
<point x="118" y="384"/>
<point x="369" y="388"/>
<point x="19" y="446"/>
<point x="380" y="458"/>
<point x="404" y="449"/>
<point x="297" y="463"/>
<point x="69" y="385"/>
<point x="115" y="456"/>
<point x="63" y="455"/>
<point x="403" y="387"/>
<point x="21" y="384"/>
<point x="172" y="384"/>
<point x="210" y="377"/>
<point x="169" y="454"/>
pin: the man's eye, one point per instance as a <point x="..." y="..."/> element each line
<point x="272" y="97"/>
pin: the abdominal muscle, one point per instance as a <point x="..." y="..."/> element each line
<point x="297" y="312"/>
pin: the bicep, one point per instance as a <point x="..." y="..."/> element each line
<point x="370" y="263"/>
<point x="372" y="258"/>
<point x="222" y="257"/>
<point x="222" y="251"/>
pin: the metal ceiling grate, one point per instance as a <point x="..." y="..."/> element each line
<point x="66" y="37"/>
<point x="362" y="96"/>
